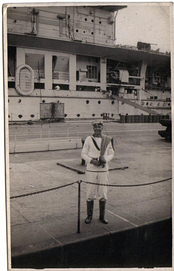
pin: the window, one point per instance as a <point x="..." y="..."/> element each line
<point x="91" y="72"/>
<point x="129" y="91"/>
<point x="11" y="84"/>
<point x="60" y="87"/>
<point x="37" y="63"/>
<point x="85" y="88"/>
<point x="11" y="61"/>
<point x="60" y="66"/>
<point x="39" y="85"/>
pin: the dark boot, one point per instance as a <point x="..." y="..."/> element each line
<point x="102" y="205"/>
<point x="90" y="206"/>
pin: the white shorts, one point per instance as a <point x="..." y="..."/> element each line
<point x="97" y="191"/>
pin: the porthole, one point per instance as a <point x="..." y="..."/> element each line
<point x="92" y="20"/>
<point x="147" y="103"/>
<point x="20" y="116"/>
<point x="9" y="116"/>
<point x="87" y="102"/>
<point x="85" y="19"/>
<point x="77" y="30"/>
<point x="101" y="115"/>
<point x="19" y="101"/>
<point x="112" y="102"/>
<point x="32" y="115"/>
<point x="168" y="104"/>
<point x="112" y="115"/>
<point x="93" y="115"/>
<point x="92" y="33"/>
<point x="43" y="101"/>
<point x="65" y="115"/>
<point x="78" y="115"/>
<point x="99" y="22"/>
<point x="84" y="32"/>
<point x="99" y="102"/>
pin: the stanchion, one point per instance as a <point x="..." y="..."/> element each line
<point x="79" y="198"/>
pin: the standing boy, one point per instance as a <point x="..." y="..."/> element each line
<point x="97" y="151"/>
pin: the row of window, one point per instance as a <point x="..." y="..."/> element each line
<point x="43" y="101"/>
<point x="92" y="20"/>
<point x="60" y="65"/>
<point x="77" y="30"/>
<point x="112" y="102"/>
<point x="158" y="104"/>
<point x="60" y="68"/>
<point x="65" y="115"/>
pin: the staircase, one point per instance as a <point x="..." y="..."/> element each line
<point x="135" y="105"/>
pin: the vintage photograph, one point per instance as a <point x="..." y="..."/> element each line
<point x="88" y="135"/>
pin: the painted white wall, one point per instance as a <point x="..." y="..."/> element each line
<point x="72" y="107"/>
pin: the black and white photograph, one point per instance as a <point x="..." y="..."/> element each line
<point x="88" y="129"/>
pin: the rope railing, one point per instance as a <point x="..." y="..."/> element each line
<point x="79" y="192"/>
<point x="128" y="185"/>
<point x="42" y="191"/>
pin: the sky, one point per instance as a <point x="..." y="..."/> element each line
<point x="148" y="23"/>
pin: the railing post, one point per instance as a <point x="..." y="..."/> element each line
<point x="79" y="198"/>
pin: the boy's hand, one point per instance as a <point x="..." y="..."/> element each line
<point x="95" y="162"/>
<point x="102" y="160"/>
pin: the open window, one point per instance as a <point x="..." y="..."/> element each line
<point x="60" y="68"/>
<point x="37" y="63"/>
<point x="92" y="72"/>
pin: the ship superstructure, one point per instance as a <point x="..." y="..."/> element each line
<point x="63" y="62"/>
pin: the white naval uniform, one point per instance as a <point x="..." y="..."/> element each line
<point x="94" y="173"/>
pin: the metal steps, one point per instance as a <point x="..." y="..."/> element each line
<point x="135" y="105"/>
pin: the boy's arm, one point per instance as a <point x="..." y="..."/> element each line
<point x="85" y="150"/>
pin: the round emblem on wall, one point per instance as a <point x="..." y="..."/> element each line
<point x="24" y="80"/>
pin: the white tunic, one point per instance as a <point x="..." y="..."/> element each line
<point x="90" y="151"/>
